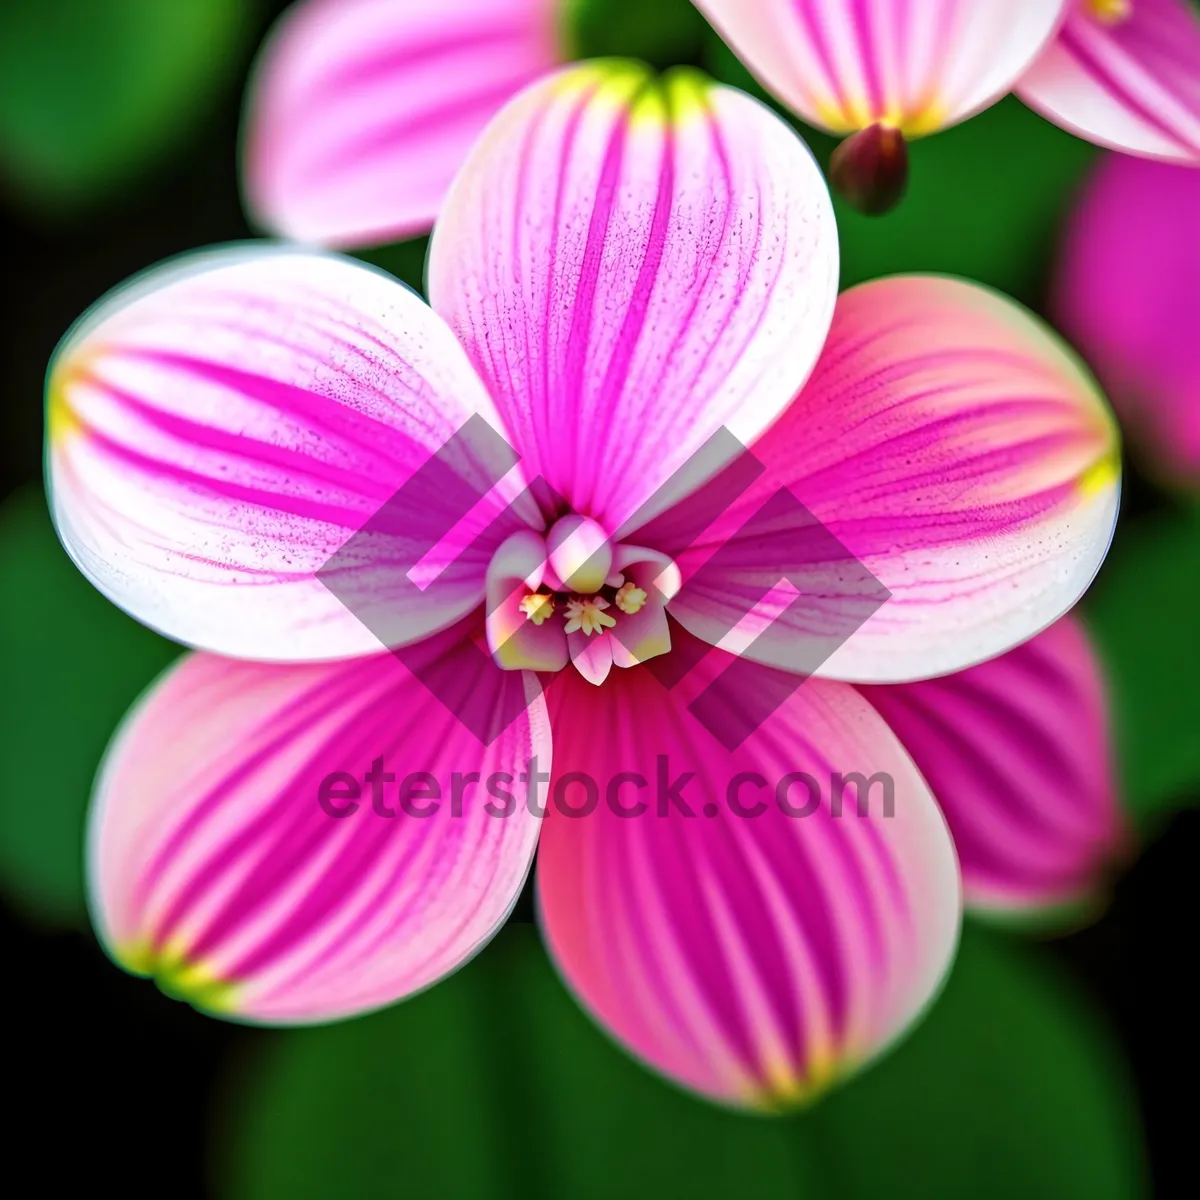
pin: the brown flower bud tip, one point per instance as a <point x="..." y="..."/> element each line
<point x="869" y="170"/>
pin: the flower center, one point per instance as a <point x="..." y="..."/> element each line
<point x="581" y="576"/>
<point x="573" y="596"/>
<point x="1110" y="12"/>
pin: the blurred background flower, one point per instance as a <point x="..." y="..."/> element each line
<point x="1127" y="292"/>
<point x="360" y="112"/>
<point x="1044" y="1069"/>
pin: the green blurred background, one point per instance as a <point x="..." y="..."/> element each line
<point x="1049" y="1067"/>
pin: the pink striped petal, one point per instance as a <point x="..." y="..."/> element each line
<point x="1019" y="756"/>
<point x="1128" y="294"/>
<point x="361" y="111"/>
<point x="950" y="445"/>
<point x="754" y="958"/>
<point x="1125" y="74"/>
<point x="219" y="864"/>
<point x="918" y="66"/>
<point x="632" y="263"/>
<point x="220" y="428"/>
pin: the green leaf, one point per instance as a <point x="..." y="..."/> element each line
<point x="92" y="90"/>
<point x="1142" y="614"/>
<point x="1009" y="1088"/>
<point x="985" y="199"/>
<point x="494" y="1084"/>
<point x="73" y="663"/>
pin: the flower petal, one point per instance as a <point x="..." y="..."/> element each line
<point x="1131" y="82"/>
<point x="948" y="451"/>
<point x="641" y="636"/>
<point x="1019" y="756"/>
<point x="239" y="420"/>
<point x="219" y="864"/>
<point x="754" y="958"/>
<point x="362" y="111"/>
<point x="1128" y="294"/>
<point x="516" y="641"/>
<point x="846" y="64"/>
<point x="591" y="655"/>
<point x="632" y="263"/>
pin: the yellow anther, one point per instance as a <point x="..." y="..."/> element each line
<point x="630" y="598"/>
<point x="1111" y="12"/>
<point x="537" y="606"/>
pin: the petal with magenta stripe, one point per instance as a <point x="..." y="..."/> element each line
<point x="737" y="919"/>
<point x="361" y="111"/>
<point x="632" y="263"/>
<point x="1125" y="74"/>
<point x="948" y="450"/>
<point x="298" y="843"/>
<point x="919" y="67"/>
<point x="1019" y="756"/>
<point x="222" y="428"/>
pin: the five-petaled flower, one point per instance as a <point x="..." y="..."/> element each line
<point x="624" y="267"/>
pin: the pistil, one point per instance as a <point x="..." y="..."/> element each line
<point x="586" y="615"/>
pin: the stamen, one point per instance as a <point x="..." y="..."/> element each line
<point x="587" y="616"/>
<point x="630" y="598"/>
<point x="537" y="606"/>
<point x="1111" y="12"/>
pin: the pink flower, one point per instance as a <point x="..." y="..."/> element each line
<point x="628" y="275"/>
<point x="1123" y="73"/>
<point x="844" y="65"/>
<point x="1128" y="293"/>
<point x="1017" y="752"/>
<point x="362" y="111"/>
